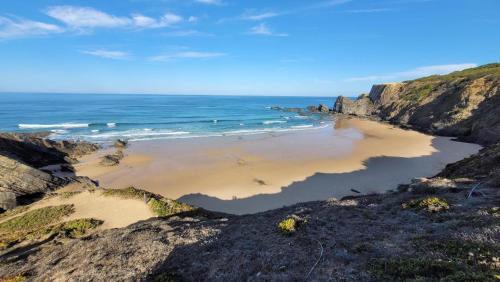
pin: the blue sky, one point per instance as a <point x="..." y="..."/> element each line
<point x="287" y="47"/>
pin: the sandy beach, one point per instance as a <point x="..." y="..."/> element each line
<point x="253" y="173"/>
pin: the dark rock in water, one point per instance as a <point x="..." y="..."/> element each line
<point x="287" y="110"/>
<point x="362" y="106"/>
<point x="120" y="144"/>
<point x="293" y="110"/>
<point x="322" y="108"/>
<point x="312" y="109"/>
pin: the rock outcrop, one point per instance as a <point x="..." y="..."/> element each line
<point x="322" y="108"/>
<point x="464" y="104"/>
<point x="362" y="106"/>
<point x="22" y="157"/>
<point x="483" y="166"/>
<point x="18" y="179"/>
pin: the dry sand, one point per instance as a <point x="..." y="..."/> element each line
<point x="115" y="212"/>
<point x="246" y="174"/>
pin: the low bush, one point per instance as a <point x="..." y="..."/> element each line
<point x="430" y="204"/>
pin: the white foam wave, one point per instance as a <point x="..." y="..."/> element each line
<point x="111" y="124"/>
<point x="94" y="130"/>
<point x="59" y="125"/>
<point x="301" y="117"/>
<point x="273" y="121"/>
<point x="303" y="126"/>
<point x="147" y="132"/>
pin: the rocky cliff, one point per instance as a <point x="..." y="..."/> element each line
<point x="21" y="158"/>
<point x="464" y="104"/>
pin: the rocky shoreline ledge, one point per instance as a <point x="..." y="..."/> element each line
<point x="442" y="228"/>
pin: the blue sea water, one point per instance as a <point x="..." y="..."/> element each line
<point x="103" y="118"/>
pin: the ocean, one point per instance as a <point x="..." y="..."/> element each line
<point x="104" y="117"/>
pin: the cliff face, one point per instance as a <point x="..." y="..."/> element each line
<point x="464" y="104"/>
<point x="22" y="156"/>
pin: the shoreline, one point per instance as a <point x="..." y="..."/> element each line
<point x="253" y="173"/>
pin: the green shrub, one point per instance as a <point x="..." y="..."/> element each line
<point x="167" y="207"/>
<point x="127" y="193"/>
<point x="67" y="195"/>
<point x="288" y="226"/>
<point x="430" y="204"/>
<point x="32" y="224"/>
<point x="36" y="218"/>
<point x="14" y="211"/>
<point x="17" y="278"/>
<point x="77" y="227"/>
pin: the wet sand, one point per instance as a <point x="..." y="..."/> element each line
<point x="252" y="173"/>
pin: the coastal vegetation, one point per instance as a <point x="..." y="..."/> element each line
<point x="159" y="205"/>
<point x="442" y="228"/>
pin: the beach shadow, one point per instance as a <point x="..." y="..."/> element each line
<point x="379" y="175"/>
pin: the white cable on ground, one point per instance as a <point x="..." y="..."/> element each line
<point x="472" y="191"/>
<point x="320" y="256"/>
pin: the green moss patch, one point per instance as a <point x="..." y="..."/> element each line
<point x="32" y="225"/>
<point x="430" y="204"/>
<point x="127" y="193"/>
<point x="159" y="205"/>
<point x="14" y="211"/>
<point x="77" y="228"/>
<point x="36" y="218"/>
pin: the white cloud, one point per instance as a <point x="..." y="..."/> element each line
<point x="258" y="16"/>
<point x="186" y="55"/>
<point x="192" y="19"/>
<point x="17" y="28"/>
<point x="82" y="17"/>
<point x="186" y="33"/>
<point x="263" y="29"/>
<point x="210" y="2"/>
<point x="86" y="17"/>
<point x="417" y="72"/>
<point x="107" y="54"/>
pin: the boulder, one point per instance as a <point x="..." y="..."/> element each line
<point x="322" y="108"/>
<point x="120" y="144"/>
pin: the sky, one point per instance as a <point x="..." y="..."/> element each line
<point x="232" y="47"/>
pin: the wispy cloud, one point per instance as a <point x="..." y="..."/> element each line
<point x="188" y="33"/>
<point x="87" y="17"/>
<point x="186" y="55"/>
<point x="416" y="72"/>
<point x="252" y="16"/>
<point x="263" y="29"/>
<point x="107" y="54"/>
<point x="368" y="11"/>
<point x="17" y="28"/>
